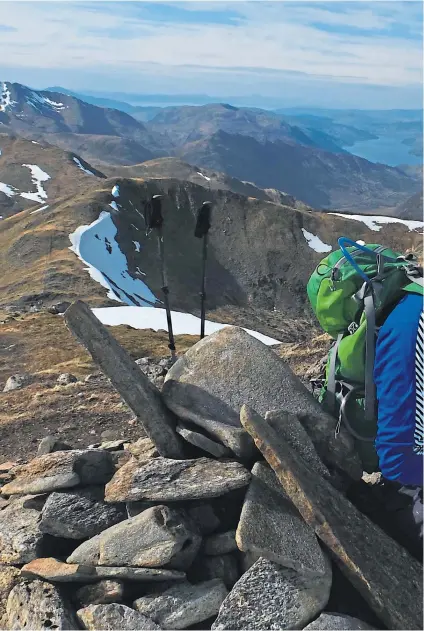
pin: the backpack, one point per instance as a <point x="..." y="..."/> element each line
<point x="352" y="291"/>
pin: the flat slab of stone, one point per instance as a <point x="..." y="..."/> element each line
<point x="101" y="593"/>
<point x="270" y="596"/>
<point x="131" y="383"/>
<point x="61" y="470"/>
<point x="57" y="571"/>
<point x="156" y="537"/>
<point x="166" y="480"/>
<point x="79" y="514"/>
<point x="335" y="621"/>
<point x="20" y="536"/>
<point x="216" y="376"/>
<point x="203" y="442"/>
<point x="290" y="427"/>
<point x="38" y="605"/>
<point x="270" y="526"/>
<point x="221" y="543"/>
<point x="113" y="617"/>
<point x="183" y="605"/>
<point x="382" y="571"/>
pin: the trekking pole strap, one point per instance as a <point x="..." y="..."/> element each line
<point x="331" y="381"/>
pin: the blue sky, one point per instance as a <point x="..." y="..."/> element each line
<point x="326" y="54"/>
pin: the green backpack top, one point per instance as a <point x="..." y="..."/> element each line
<point x="352" y="291"/>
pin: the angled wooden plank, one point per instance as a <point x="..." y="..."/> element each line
<point x="381" y="570"/>
<point x="133" y="386"/>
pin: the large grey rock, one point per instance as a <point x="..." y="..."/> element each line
<point x="166" y="480"/>
<point x="334" y="621"/>
<point x="59" y="572"/>
<point x="229" y="368"/>
<point x="203" y="442"/>
<point x="101" y="593"/>
<point x="183" y="605"/>
<point x="270" y="526"/>
<point x="20" y="536"/>
<point x="112" y="617"/>
<point x="60" y="470"/>
<point x="38" y="605"/>
<point x="15" y="382"/>
<point x="158" y="536"/>
<point x="79" y="513"/>
<point x="49" y="444"/>
<point x="220" y="543"/>
<point x="269" y="596"/>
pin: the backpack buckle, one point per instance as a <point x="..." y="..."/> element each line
<point x="353" y="327"/>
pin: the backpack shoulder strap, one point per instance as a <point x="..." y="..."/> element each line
<point x="331" y="379"/>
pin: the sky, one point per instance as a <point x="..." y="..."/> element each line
<point x="284" y="53"/>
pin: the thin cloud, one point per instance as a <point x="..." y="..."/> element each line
<point x="370" y="43"/>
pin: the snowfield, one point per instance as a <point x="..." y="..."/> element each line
<point x="152" y="318"/>
<point x="96" y="246"/>
<point x="315" y="242"/>
<point x="204" y="176"/>
<point x="80" y="166"/>
<point x="38" y="176"/>
<point x="376" y="222"/>
<point x="10" y="191"/>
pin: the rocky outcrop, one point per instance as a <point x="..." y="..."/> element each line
<point x="202" y="388"/>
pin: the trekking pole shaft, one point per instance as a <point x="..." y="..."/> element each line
<point x="165" y="291"/>
<point x="203" y="290"/>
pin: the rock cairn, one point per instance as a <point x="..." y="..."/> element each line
<point x="123" y="536"/>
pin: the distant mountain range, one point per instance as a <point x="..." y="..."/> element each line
<point x="303" y="160"/>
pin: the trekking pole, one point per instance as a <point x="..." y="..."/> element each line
<point x="201" y="231"/>
<point x="156" y="223"/>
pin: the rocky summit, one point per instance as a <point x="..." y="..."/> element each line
<point x="119" y="536"/>
<point x="206" y="488"/>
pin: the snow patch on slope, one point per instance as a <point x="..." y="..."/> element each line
<point x="10" y="191"/>
<point x="96" y="246"/>
<point x="37" y="102"/>
<point x="39" y="210"/>
<point x="115" y="191"/>
<point x="376" y="222"/>
<point x="5" y="98"/>
<point x="204" y="176"/>
<point x="152" y="318"/>
<point x="80" y="166"/>
<point x="38" y="176"/>
<point x="315" y="242"/>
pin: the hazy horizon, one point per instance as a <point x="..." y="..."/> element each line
<point x="307" y="54"/>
